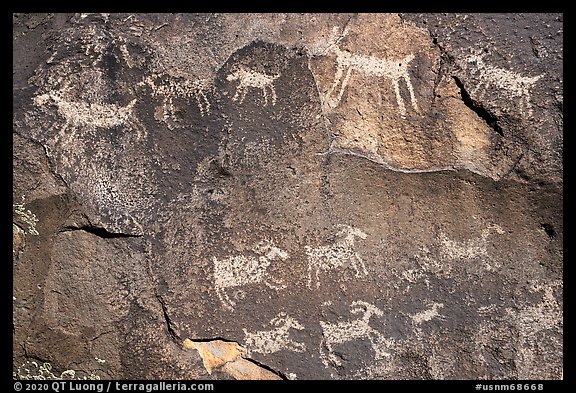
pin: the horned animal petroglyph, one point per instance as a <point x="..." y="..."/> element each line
<point x="274" y="340"/>
<point x="356" y="329"/>
<point x="240" y="270"/>
<point x="329" y="257"/>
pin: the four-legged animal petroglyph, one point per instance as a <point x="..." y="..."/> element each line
<point x="274" y="340"/>
<point x="81" y="114"/>
<point x="511" y="83"/>
<point x="239" y="270"/>
<point x="427" y="315"/>
<point x="356" y="329"/>
<point x="394" y="70"/>
<point x="469" y="248"/>
<point x="336" y="255"/>
<point x="257" y="80"/>
<point x="184" y="88"/>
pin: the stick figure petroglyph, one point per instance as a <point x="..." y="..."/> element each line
<point x="247" y="77"/>
<point x="355" y="329"/>
<point x="240" y="270"/>
<point x="274" y="340"/>
<point x="394" y="70"/>
<point x="329" y="257"/>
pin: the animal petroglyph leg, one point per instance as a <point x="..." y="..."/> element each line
<point x="399" y="99"/>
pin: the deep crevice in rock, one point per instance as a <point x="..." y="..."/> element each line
<point x="478" y="109"/>
<point x="98" y="231"/>
<point x="175" y="337"/>
<point x="265" y="367"/>
<point x="248" y="359"/>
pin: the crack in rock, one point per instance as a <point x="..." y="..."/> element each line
<point x="231" y="358"/>
<point x="490" y="120"/>
<point x="98" y="231"/>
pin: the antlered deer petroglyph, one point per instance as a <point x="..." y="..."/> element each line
<point x="356" y="329"/>
<point x="247" y="77"/>
<point x="394" y="70"/>
<point x="274" y="340"/>
<point x="240" y="270"/>
<point x="329" y="257"/>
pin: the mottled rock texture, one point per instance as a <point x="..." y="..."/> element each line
<point x="335" y="196"/>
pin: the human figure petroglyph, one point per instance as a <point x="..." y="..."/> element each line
<point x="240" y="270"/>
<point x="394" y="70"/>
<point x="276" y="339"/>
<point x="355" y="329"/>
<point x="247" y="77"/>
<point x="329" y="257"/>
<point x="511" y="83"/>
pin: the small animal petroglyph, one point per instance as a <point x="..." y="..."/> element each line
<point x="356" y="329"/>
<point x="427" y="315"/>
<point x="469" y="248"/>
<point x="274" y="340"/>
<point x="513" y="84"/>
<point x="336" y="255"/>
<point x="394" y="70"/>
<point x="240" y="270"/>
<point x="247" y="77"/>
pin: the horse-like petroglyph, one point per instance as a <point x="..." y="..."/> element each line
<point x="512" y="84"/>
<point x="394" y="70"/>
<point x="334" y="256"/>
<point x="239" y="270"/>
<point x="355" y="329"/>
<point x="248" y="78"/>
<point x="276" y="339"/>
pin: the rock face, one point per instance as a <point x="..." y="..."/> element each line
<point x="296" y="196"/>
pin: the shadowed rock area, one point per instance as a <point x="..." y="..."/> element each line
<point x="288" y="196"/>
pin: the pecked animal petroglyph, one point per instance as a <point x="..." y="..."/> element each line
<point x="394" y="70"/>
<point x="84" y="114"/>
<point x="334" y="256"/>
<point x="248" y="78"/>
<point x="239" y="270"/>
<point x="354" y="329"/>
<point x="512" y="84"/>
<point x="276" y="339"/>
<point x="185" y="88"/>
